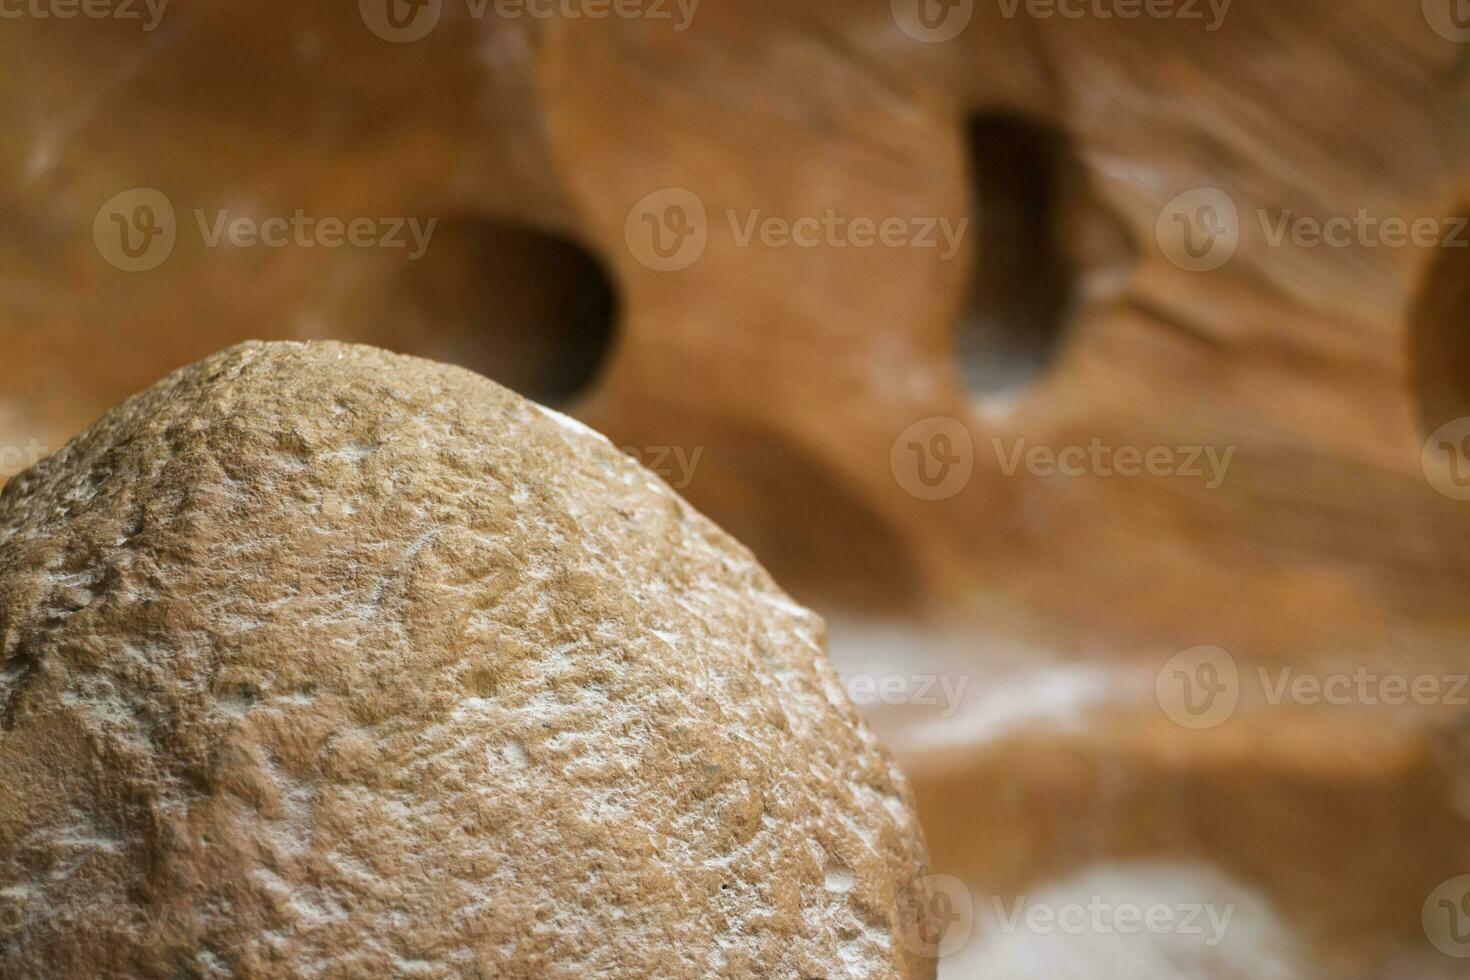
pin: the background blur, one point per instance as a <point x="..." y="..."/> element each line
<point x="1099" y="368"/>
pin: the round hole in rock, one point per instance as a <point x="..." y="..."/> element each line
<point x="1023" y="285"/>
<point x="531" y="310"/>
<point x="1439" y="338"/>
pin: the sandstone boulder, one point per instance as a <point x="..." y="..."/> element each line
<point x="322" y="661"/>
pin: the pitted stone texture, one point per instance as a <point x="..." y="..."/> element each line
<point x="321" y="661"/>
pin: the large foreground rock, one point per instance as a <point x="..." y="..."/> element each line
<point x="320" y="661"/>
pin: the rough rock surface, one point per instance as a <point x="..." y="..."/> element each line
<point x="321" y="661"/>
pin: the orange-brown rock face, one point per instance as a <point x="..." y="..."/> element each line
<point x="906" y="430"/>
<point x="324" y="661"/>
<point x="797" y="368"/>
